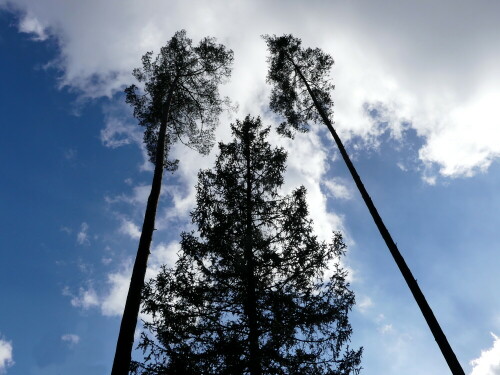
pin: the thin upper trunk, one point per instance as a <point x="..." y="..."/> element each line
<point x="124" y="345"/>
<point x="426" y="310"/>
<point x="251" y="298"/>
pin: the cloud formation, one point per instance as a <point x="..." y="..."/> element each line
<point x="110" y="298"/>
<point x="488" y="362"/>
<point x="86" y="297"/>
<point x="130" y="229"/>
<point x="6" y="358"/>
<point x="441" y="80"/>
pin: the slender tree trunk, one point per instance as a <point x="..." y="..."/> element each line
<point x="426" y="310"/>
<point x="251" y="303"/>
<point x="124" y="345"/>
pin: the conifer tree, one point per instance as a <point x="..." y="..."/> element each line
<point x="301" y="93"/>
<point x="179" y="101"/>
<point x="248" y="293"/>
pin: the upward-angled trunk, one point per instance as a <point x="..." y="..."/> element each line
<point x="426" y="310"/>
<point x="124" y="345"/>
<point x="251" y="298"/>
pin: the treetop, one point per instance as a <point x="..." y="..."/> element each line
<point x="180" y="87"/>
<point x="293" y="71"/>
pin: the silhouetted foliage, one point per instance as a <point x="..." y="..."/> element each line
<point x="248" y="293"/>
<point x="301" y="93"/>
<point x="290" y="96"/>
<point x="179" y="101"/>
<point x="193" y="74"/>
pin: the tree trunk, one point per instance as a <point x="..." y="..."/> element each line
<point x="124" y="345"/>
<point x="251" y="303"/>
<point x="426" y="310"/>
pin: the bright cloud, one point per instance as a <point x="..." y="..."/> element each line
<point x="130" y="229"/>
<point x="468" y="140"/>
<point x="86" y="298"/>
<point x="119" y="129"/>
<point x="111" y="299"/>
<point x="337" y="188"/>
<point x="488" y="362"/>
<point x="310" y="174"/>
<point x="6" y="358"/>
<point x="443" y="80"/>
<point x="113" y="302"/>
<point x="30" y="25"/>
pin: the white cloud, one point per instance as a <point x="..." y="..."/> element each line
<point x="111" y="299"/>
<point x="443" y="97"/>
<point x="71" y="339"/>
<point x="113" y="302"/>
<point x="431" y="180"/>
<point x="402" y="166"/>
<point x="29" y="24"/>
<point x="130" y="229"/>
<point x="83" y="237"/>
<point x="442" y="78"/>
<point x="120" y="130"/>
<point x="86" y="297"/>
<point x="430" y="64"/>
<point x="338" y="188"/>
<point x="310" y="174"/>
<point x="468" y="139"/>
<point x="488" y="362"/>
<point x="116" y="133"/>
<point x="162" y="254"/>
<point x="6" y="357"/>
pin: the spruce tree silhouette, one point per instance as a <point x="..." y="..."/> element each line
<point x="179" y="102"/>
<point x="301" y="93"/>
<point x="248" y="293"/>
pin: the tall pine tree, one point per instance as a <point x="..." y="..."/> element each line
<point x="301" y="93"/>
<point x="248" y="294"/>
<point x="179" y="101"/>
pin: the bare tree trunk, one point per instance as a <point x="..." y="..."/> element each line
<point x="426" y="310"/>
<point x="251" y="303"/>
<point x="124" y="345"/>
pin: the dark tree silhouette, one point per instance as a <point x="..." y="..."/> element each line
<point x="301" y="93"/>
<point x="248" y="294"/>
<point x="179" y="102"/>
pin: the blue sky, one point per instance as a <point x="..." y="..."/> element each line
<point x="417" y="91"/>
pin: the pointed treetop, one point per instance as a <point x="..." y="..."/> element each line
<point x="249" y="293"/>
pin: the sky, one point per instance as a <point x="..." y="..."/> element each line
<point x="416" y="103"/>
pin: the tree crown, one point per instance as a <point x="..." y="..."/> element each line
<point x="289" y="62"/>
<point x="200" y="310"/>
<point x="191" y="76"/>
